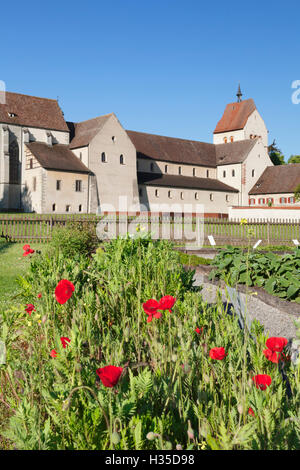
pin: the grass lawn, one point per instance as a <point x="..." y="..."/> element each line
<point x="12" y="265"/>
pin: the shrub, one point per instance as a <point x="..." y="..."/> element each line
<point x="74" y="238"/>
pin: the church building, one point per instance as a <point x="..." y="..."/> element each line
<point x="48" y="165"/>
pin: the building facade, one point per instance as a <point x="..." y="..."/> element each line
<point x="48" y="165"/>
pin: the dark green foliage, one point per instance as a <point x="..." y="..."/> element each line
<point x="278" y="275"/>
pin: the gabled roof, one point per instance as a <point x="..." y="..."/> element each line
<point x="235" y="116"/>
<point x="32" y="111"/>
<point x="179" y="181"/>
<point x="170" y="149"/>
<point x="56" y="157"/>
<point x="82" y="133"/>
<point x="234" y="152"/>
<point x="278" y="179"/>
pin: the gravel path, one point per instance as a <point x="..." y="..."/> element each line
<point x="276" y="322"/>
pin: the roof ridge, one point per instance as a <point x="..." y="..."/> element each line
<point x="169" y="137"/>
<point x="31" y="96"/>
<point x="92" y="119"/>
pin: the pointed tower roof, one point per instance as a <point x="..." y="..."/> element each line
<point x="235" y="116"/>
<point x="239" y="94"/>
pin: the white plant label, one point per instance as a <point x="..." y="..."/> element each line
<point x="296" y="242"/>
<point x="211" y="240"/>
<point x="256" y="244"/>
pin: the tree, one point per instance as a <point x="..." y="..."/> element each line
<point x="297" y="193"/>
<point x="275" y="154"/>
<point x="294" y="159"/>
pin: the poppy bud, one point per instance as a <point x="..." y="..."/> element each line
<point x="115" y="438"/>
<point x="190" y="431"/>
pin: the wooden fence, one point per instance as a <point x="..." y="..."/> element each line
<point x="38" y="228"/>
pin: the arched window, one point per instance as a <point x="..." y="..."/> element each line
<point x="207" y="173"/>
<point x="53" y="207"/>
<point x="196" y="196"/>
<point x="156" y="193"/>
<point x="179" y="170"/>
<point x="231" y="138"/>
<point x="103" y="157"/>
<point x="182" y="195"/>
<point x="211" y="197"/>
<point x="121" y="159"/>
<point x="170" y="194"/>
<point x="224" y="174"/>
<point x="233" y="172"/>
<point x="225" y="140"/>
<point x="14" y="163"/>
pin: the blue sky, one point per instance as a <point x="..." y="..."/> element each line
<point x="162" y="66"/>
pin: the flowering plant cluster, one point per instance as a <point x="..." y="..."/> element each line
<point x="105" y="368"/>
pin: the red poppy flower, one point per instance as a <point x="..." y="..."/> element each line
<point x="276" y="343"/>
<point x="53" y="353"/>
<point x="262" y="381"/>
<point x="29" y="251"/>
<point x="166" y="303"/>
<point x="26" y="247"/>
<point x="199" y="330"/>
<point x="150" y="308"/>
<point x="64" y="291"/>
<point x="109" y="375"/>
<point x="217" y="353"/>
<point x="29" y="308"/>
<point x="64" y="341"/>
<point x="251" y="412"/>
<point x="39" y="296"/>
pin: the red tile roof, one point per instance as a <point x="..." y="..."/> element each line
<point x="170" y="149"/>
<point x="235" y="116"/>
<point x="278" y="179"/>
<point x="83" y="132"/>
<point x="179" y="181"/>
<point x="56" y="157"/>
<point x="32" y="111"/>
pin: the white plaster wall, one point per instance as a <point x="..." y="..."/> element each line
<point x="257" y="160"/>
<point x="67" y="194"/>
<point x="254" y="126"/>
<point x="234" y="181"/>
<point x="144" y="165"/>
<point x="218" y="205"/>
<point x="84" y="151"/>
<point x="113" y="180"/>
<point x="260" y="214"/>
<point x="237" y="135"/>
<point x="276" y="197"/>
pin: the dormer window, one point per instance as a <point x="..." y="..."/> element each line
<point x="12" y="115"/>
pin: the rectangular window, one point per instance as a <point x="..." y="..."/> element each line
<point x="53" y="207"/>
<point x="156" y="193"/>
<point x="31" y="164"/>
<point x="68" y="208"/>
<point x="211" y="197"/>
<point x="166" y="168"/>
<point x="253" y="173"/>
<point x="78" y="186"/>
<point x="179" y="170"/>
<point x="227" y="198"/>
<point x="34" y="184"/>
<point x="224" y="174"/>
<point x="207" y="173"/>
<point x="194" y="171"/>
<point x="58" y="185"/>
<point x="79" y="208"/>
